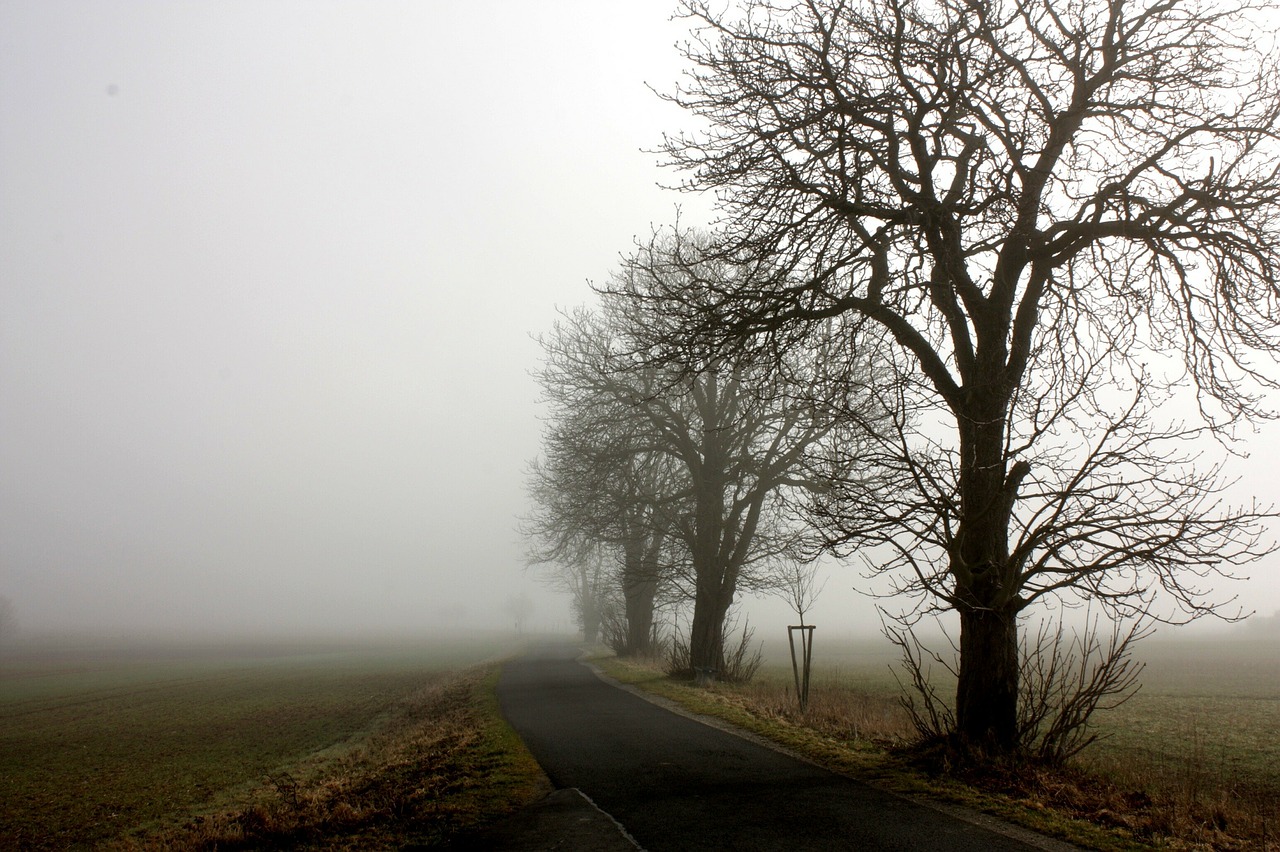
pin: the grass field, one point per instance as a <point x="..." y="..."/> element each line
<point x="1202" y="737"/>
<point x="98" y="742"/>
<point x="1214" y="704"/>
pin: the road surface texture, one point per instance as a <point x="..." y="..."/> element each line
<point x="632" y="774"/>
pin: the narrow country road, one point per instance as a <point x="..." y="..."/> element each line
<point x="674" y="783"/>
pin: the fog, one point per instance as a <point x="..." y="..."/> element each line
<point x="270" y="273"/>
<point x="269" y="276"/>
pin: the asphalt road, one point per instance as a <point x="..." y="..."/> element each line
<point x="672" y="782"/>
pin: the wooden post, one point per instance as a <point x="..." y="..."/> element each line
<point x="806" y="655"/>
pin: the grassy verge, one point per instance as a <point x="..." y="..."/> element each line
<point x="442" y="763"/>
<point x="857" y="733"/>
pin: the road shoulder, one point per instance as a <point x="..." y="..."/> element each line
<point x="564" y="820"/>
<point x="969" y="815"/>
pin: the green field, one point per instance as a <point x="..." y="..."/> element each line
<point x="1206" y="721"/>
<point x="96" y="741"/>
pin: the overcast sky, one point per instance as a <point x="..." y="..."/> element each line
<point x="269" y="273"/>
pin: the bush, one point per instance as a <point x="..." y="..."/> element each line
<point x="738" y="663"/>
<point x="1063" y="680"/>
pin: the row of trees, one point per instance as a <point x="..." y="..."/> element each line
<point x="675" y="474"/>
<point x="993" y="270"/>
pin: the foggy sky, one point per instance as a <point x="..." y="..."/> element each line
<point x="269" y="273"/>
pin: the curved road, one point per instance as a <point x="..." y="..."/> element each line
<point x="672" y="782"/>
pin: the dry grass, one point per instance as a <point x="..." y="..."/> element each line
<point x="836" y="709"/>
<point x="1200" y="796"/>
<point x="1142" y="811"/>
<point x="440" y="764"/>
<point x="1200" y="741"/>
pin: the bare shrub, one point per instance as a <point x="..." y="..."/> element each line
<point x="679" y="663"/>
<point x="613" y="628"/>
<point x="738" y="663"/>
<point x="932" y="717"/>
<point x="617" y="635"/>
<point x="1065" y="680"/>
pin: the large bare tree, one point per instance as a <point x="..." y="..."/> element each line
<point x="1058" y="215"/>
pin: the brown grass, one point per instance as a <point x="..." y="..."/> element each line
<point x="836" y="709"/>
<point x="1142" y="811"/>
<point x="1198" y="797"/>
<point x="441" y="764"/>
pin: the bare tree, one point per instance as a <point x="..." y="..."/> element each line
<point x="1055" y="216"/>
<point x="644" y="540"/>
<point x="599" y="484"/>
<point x="731" y="452"/>
<point x="732" y="442"/>
<point x="799" y="586"/>
<point x="587" y="580"/>
<point x="585" y="573"/>
<point x="739" y="452"/>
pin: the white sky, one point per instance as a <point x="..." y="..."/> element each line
<point x="268" y="276"/>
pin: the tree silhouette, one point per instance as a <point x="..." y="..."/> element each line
<point x="1060" y="218"/>
<point x="724" y="443"/>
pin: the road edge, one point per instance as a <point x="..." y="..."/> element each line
<point x="973" y="817"/>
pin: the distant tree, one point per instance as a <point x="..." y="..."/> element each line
<point x="588" y="580"/>
<point x="519" y="608"/>
<point x="739" y="452"/>
<point x="8" y="619"/>
<point x="1057" y="215"/>
<point x="735" y="445"/>
<point x="597" y="488"/>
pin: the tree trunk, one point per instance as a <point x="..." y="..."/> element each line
<point x="706" y="634"/>
<point x="639" y="593"/>
<point x="590" y="620"/>
<point x="714" y="589"/>
<point x="986" y="583"/>
<point x="640" y="588"/>
<point x="714" y="564"/>
<point x="987" y="693"/>
<point x="587" y="599"/>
